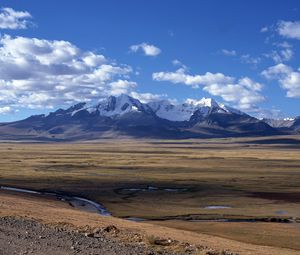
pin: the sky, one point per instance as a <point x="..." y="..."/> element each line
<point x="56" y="53"/>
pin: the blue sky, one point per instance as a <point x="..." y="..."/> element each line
<point x="241" y="53"/>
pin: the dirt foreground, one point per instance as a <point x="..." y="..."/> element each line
<point x="33" y="224"/>
<point x="25" y="236"/>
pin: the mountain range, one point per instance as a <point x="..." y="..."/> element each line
<point x="284" y="124"/>
<point x="125" y="116"/>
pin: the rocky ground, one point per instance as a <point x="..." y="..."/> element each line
<point x="26" y="236"/>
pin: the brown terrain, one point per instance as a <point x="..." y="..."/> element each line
<point x="170" y="185"/>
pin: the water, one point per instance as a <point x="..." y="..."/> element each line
<point x="77" y="202"/>
<point x="20" y="190"/>
<point x="135" y="219"/>
<point x="91" y="206"/>
<point x="153" y="188"/>
<point x="214" y="207"/>
<point x="281" y="212"/>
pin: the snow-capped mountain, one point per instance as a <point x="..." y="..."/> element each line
<point x="296" y="124"/>
<point x="127" y="116"/>
<point x="184" y="112"/>
<point x="117" y="106"/>
<point x="165" y="110"/>
<point x="114" y="106"/>
<point x="280" y="123"/>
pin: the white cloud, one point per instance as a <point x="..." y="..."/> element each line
<point x="122" y="86"/>
<point x="243" y="92"/>
<point x="146" y="97"/>
<point x="264" y="29"/>
<point x="93" y="60"/>
<point x="286" y="54"/>
<point x="283" y="54"/>
<point x="6" y="110"/>
<point x="231" y="53"/>
<point x="284" y="51"/>
<point x="179" y="64"/>
<point x="289" y="29"/>
<point x="246" y="58"/>
<point x="148" y="49"/>
<point x="280" y="56"/>
<point x="277" y="71"/>
<point x="283" y="44"/>
<point x="11" y="19"/>
<point x="176" y="62"/>
<point x="268" y="113"/>
<point x="180" y="76"/>
<point x="41" y="73"/>
<point x="239" y="93"/>
<point x="287" y="78"/>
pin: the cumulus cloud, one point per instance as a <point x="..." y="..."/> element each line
<point x="286" y="54"/>
<point x="283" y="53"/>
<point x="11" y="19"/>
<point x="246" y="58"/>
<point x="289" y="29"/>
<point x="280" y="56"/>
<point x="283" y="44"/>
<point x="41" y="73"/>
<point x="122" y="86"/>
<point x="272" y="113"/>
<point x="277" y="71"/>
<point x="177" y="62"/>
<point x="231" y="53"/>
<point x="244" y="92"/>
<point x="6" y="110"/>
<point x="288" y="78"/>
<point x="180" y="76"/>
<point x="146" y="97"/>
<point x="148" y="49"/>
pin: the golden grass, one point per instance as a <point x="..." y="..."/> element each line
<point x="256" y="180"/>
<point x="58" y="213"/>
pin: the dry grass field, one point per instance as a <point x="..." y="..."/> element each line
<point x="174" y="183"/>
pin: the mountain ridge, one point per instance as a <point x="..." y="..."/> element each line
<point x="124" y="115"/>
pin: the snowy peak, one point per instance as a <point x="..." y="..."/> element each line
<point x="113" y="106"/>
<point x="280" y="123"/>
<point x="183" y="112"/>
<point x="165" y="110"/>
<point x="118" y="105"/>
<point x="204" y="102"/>
<point x="229" y="109"/>
<point x="126" y="116"/>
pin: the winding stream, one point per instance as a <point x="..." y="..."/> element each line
<point x="74" y="201"/>
<point x="91" y="206"/>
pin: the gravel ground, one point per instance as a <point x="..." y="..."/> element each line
<point x="24" y="236"/>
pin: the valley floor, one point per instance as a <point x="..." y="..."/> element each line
<point x="34" y="225"/>
<point x="216" y="194"/>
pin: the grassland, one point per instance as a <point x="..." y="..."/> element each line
<point x="255" y="178"/>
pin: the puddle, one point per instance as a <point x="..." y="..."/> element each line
<point x="281" y="212"/>
<point x="214" y="207"/>
<point x="153" y="188"/>
<point x="225" y="220"/>
<point x="174" y="190"/>
<point x="135" y="219"/>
